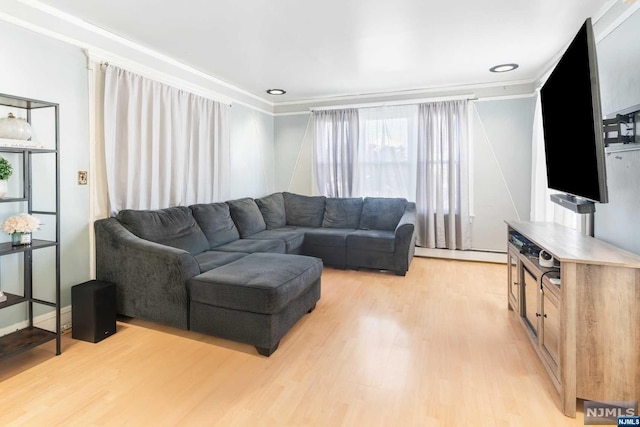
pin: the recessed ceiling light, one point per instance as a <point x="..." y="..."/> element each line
<point x="276" y="91"/>
<point x="503" y="68"/>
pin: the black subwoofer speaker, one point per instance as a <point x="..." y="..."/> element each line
<point x="93" y="310"/>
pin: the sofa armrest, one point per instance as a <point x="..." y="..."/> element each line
<point x="405" y="239"/>
<point x="406" y="225"/>
<point x="151" y="279"/>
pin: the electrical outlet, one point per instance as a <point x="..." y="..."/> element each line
<point x="82" y="177"/>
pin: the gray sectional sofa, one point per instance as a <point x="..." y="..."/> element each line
<point x="162" y="261"/>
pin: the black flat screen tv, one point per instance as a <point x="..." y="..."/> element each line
<point x="572" y="122"/>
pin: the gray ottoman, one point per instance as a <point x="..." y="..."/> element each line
<point x="256" y="299"/>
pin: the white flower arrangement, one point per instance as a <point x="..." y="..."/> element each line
<point x="21" y="223"/>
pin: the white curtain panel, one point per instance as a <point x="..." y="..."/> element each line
<point x="163" y="146"/>
<point x="335" y="141"/>
<point x="442" y="176"/>
<point x="542" y="208"/>
<point x="387" y="152"/>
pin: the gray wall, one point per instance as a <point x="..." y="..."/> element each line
<point x="293" y="151"/>
<point x="501" y="177"/>
<point x="619" y="67"/>
<point x="251" y="152"/>
<point x="39" y="67"/>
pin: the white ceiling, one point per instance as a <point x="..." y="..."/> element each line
<point x="329" y="48"/>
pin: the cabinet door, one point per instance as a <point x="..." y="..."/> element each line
<point x="531" y="297"/>
<point x="551" y="328"/>
<point x="513" y="281"/>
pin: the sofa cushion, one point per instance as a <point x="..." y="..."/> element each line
<point x="292" y="238"/>
<point x="174" y="227"/>
<point x="258" y="283"/>
<point x="215" y="221"/>
<point x="381" y="213"/>
<point x="335" y="237"/>
<point x="247" y="216"/>
<point x="306" y="211"/>
<point x="371" y="240"/>
<point x="209" y="260"/>
<point x="272" y="208"/>
<point x="342" y="213"/>
<point x="250" y="246"/>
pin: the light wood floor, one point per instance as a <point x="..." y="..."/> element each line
<point x="437" y="347"/>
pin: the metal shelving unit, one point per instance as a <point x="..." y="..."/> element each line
<point x="32" y="336"/>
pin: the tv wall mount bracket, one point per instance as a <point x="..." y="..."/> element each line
<point x="623" y="128"/>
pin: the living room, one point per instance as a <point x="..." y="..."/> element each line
<point x="55" y="56"/>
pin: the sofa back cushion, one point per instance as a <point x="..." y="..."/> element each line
<point x="174" y="227"/>
<point x="215" y="221"/>
<point x="247" y="216"/>
<point x="342" y="212"/>
<point x="381" y="213"/>
<point x="304" y="211"/>
<point x="272" y="208"/>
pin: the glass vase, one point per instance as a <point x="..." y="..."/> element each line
<point x="13" y="127"/>
<point x="20" y="239"/>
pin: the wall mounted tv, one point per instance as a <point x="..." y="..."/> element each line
<point x="572" y="121"/>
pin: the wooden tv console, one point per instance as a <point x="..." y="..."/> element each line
<point x="585" y="330"/>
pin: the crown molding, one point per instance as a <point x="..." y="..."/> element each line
<point x="481" y="90"/>
<point x="54" y="15"/>
<point x="620" y="19"/>
<point x="411" y="101"/>
<point x="98" y="56"/>
<point x="408" y="93"/>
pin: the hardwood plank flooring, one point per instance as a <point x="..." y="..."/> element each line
<point x="435" y="348"/>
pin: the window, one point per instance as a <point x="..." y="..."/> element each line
<point x="387" y="149"/>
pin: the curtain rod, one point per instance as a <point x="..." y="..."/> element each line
<point x="469" y="96"/>
<point x="160" y="77"/>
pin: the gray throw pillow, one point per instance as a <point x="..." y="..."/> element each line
<point x="342" y="213"/>
<point x="381" y="213"/>
<point x="272" y="208"/>
<point x="247" y="216"/>
<point x="174" y="227"/>
<point x="215" y="221"/>
<point x="304" y="211"/>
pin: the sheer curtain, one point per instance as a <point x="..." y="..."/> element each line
<point x="442" y="201"/>
<point x="163" y="146"/>
<point x="387" y="152"/>
<point x="335" y="141"/>
<point x="542" y="208"/>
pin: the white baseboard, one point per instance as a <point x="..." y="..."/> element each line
<point x="45" y="321"/>
<point x="481" y="256"/>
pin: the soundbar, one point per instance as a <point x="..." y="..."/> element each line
<point x="574" y="204"/>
